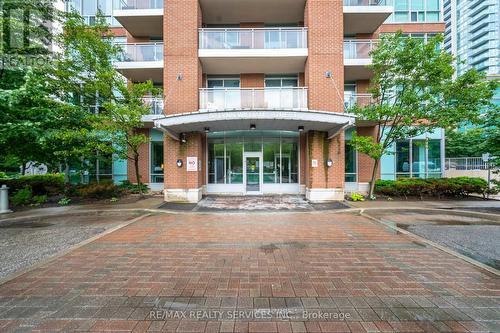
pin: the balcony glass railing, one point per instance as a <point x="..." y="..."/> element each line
<point x="155" y="104"/>
<point x="141" y="52"/>
<point x="351" y="99"/>
<point x="359" y="48"/>
<point x="137" y="4"/>
<point x="265" y="38"/>
<point x="253" y="98"/>
<point x="365" y="2"/>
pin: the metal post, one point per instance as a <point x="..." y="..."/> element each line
<point x="4" y="200"/>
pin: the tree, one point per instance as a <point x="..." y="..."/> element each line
<point x="470" y="142"/>
<point x="414" y="92"/>
<point x="121" y="119"/>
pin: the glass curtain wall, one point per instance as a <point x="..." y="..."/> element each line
<point x="279" y="151"/>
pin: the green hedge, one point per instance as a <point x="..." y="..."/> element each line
<point x="434" y="187"/>
<point x="50" y="184"/>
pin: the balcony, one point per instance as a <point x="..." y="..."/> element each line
<point x="357" y="57"/>
<point x="259" y="50"/>
<point x="155" y="107"/>
<point x="141" y="18"/>
<point x="351" y="100"/>
<point x="140" y="62"/>
<point x="236" y="11"/>
<point x="365" y="16"/>
<point x="216" y="99"/>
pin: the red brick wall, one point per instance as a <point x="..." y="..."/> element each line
<point x="179" y="178"/>
<point x="365" y="163"/>
<point x="324" y="20"/>
<point x="143" y="161"/>
<point x="255" y="80"/>
<point x="321" y="149"/>
<point x="181" y="21"/>
<point x="303" y="157"/>
<point x="412" y="27"/>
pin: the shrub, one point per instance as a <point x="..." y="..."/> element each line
<point x="50" y="184"/>
<point x="134" y="188"/>
<point x="3" y="175"/>
<point x="103" y="190"/>
<point x="22" y="197"/>
<point x="433" y="187"/>
<point x="39" y="199"/>
<point x="357" y="197"/>
<point x="64" y="201"/>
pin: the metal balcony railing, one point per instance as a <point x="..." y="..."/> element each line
<point x="350" y="100"/>
<point x="365" y="2"/>
<point x="359" y="48"/>
<point x="137" y="4"/>
<point x="141" y="52"/>
<point x="253" y="98"/>
<point x="256" y="38"/>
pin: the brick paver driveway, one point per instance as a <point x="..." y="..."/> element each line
<point x="293" y="272"/>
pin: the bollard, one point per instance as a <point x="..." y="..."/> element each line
<point x="4" y="200"/>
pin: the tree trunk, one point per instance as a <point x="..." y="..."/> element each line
<point x="137" y="174"/>
<point x="374" y="179"/>
<point x="23" y="169"/>
<point x="66" y="172"/>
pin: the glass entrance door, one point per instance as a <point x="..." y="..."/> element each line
<point x="253" y="173"/>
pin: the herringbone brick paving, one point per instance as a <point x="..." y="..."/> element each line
<point x="134" y="279"/>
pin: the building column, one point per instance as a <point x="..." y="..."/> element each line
<point x="365" y="163"/>
<point x="185" y="182"/>
<point x="323" y="182"/>
<point x="182" y="78"/>
<point x="324" y="75"/>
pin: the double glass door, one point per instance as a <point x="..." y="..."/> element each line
<point x="253" y="173"/>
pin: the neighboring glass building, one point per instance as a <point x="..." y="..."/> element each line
<point x="472" y="34"/>
<point x="415" y="11"/>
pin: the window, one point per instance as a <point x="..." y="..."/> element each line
<point x="415" y="11"/>
<point x="350" y="163"/>
<point x="157" y="162"/>
<point x="88" y="9"/>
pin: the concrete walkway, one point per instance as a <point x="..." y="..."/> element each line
<point x="294" y="272"/>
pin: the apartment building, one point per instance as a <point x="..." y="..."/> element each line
<point x="472" y="35"/>
<point x="255" y="93"/>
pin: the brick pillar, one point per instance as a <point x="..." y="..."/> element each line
<point x="182" y="18"/>
<point x="181" y="184"/>
<point x="182" y="80"/>
<point x="143" y="160"/>
<point x="365" y="163"/>
<point x="324" y="20"/>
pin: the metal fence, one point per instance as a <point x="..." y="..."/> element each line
<point x="467" y="163"/>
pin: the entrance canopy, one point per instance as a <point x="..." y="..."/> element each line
<point x="215" y="121"/>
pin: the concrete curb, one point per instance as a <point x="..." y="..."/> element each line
<point x="393" y="226"/>
<point x="70" y="249"/>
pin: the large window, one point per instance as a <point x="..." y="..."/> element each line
<point x="279" y="152"/>
<point x="417" y="159"/>
<point x="350" y="164"/>
<point x="89" y="8"/>
<point x="415" y="11"/>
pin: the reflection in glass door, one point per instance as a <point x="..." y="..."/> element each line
<point x="253" y="172"/>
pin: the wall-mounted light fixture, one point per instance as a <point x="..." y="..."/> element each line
<point x="252" y="126"/>
<point x="328" y="74"/>
<point x="183" y="137"/>
<point x="329" y="162"/>
<point x="207" y="129"/>
<point x="179" y="163"/>
<point x="179" y="77"/>
<point x="301" y="128"/>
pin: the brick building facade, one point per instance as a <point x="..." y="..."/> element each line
<point x="255" y="94"/>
